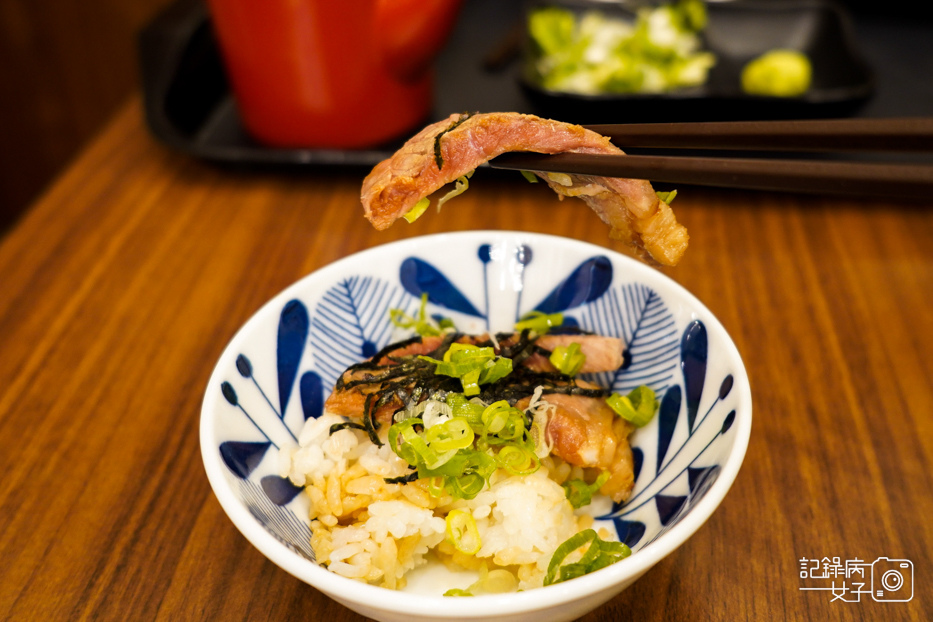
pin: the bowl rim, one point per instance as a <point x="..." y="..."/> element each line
<point x="347" y="590"/>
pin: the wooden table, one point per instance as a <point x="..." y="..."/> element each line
<point x="122" y="285"/>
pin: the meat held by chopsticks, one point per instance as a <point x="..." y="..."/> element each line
<point x="447" y="150"/>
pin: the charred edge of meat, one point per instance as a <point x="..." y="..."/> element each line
<point x="438" y="158"/>
<point x="520" y="350"/>
<point x="569" y="330"/>
<point x="402" y="479"/>
<point x="410" y="380"/>
<point x="440" y="350"/>
<point x="392" y="347"/>
<point x="373" y="363"/>
<point x="389" y="372"/>
<point x="523" y="382"/>
<point x="346" y="424"/>
<point x="406" y="387"/>
<point x="437" y="352"/>
<point x="576" y="390"/>
<point x="505" y="352"/>
<point x="403" y="366"/>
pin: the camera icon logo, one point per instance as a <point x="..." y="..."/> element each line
<point x="892" y="580"/>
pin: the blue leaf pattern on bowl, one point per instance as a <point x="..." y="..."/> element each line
<point x="638" y="458"/>
<point x="280" y="490"/>
<point x="242" y="457"/>
<point x="293" y="332"/>
<point x="701" y="478"/>
<point x="693" y="363"/>
<point x="668" y="414"/>
<point x="278" y="521"/>
<point x="233" y="399"/>
<point x="636" y="314"/>
<point x="420" y="277"/>
<point x="311" y="390"/>
<point x="350" y="323"/>
<point x="681" y="470"/>
<point x="669" y="507"/>
<point x="588" y="282"/>
<point x="630" y="532"/>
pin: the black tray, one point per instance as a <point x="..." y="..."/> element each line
<point x="189" y="106"/>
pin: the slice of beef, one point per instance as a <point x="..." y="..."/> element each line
<point x="448" y="149"/>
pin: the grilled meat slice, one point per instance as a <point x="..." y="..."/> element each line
<point x="448" y="149"/>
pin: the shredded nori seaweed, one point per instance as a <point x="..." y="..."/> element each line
<point x="409" y="380"/>
<point x="402" y="479"/>
<point x="369" y="420"/>
<point x="438" y="158"/>
<point x="343" y="426"/>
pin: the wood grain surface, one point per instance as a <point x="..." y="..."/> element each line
<point x="66" y="66"/>
<point x="121" y="286"/>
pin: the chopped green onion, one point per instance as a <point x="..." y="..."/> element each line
<point x="435" y="485"/>
<point x="444" y="456"/>
<point x="473" y="365"/>
<point x="444" y="452"/>
<point x="496" y="416"/>
<point x="518" y="459"/>
<point x="500" y="368"/>
<point x="579" y="493"/>
<point x="462" y="531"/>
<point x="467" y="473"/>
<point x="460" y="186"/>
<point x="552" y="28"/>
<point x="568" y="360"/>
<point x="455" y="433"/>
<point x="531" y="177"/>
<point x="414" y="448"/>
<point x="638" y="407"/>
<point x="539" y="322"/>
<point x="506" y="422"/>
<point x="420" y="324"/>
<point x="405" y="430"/>
<point x="561" y="179"/>
<point x="415" y="212"/>
<point x="496" y="581"/>
<point x="464" y="351"/>
<point x="598" y="554"/>
<point x="586" y="538"/>
<point x="460" y="406"/>
<point x="592" y="52"/>
<point x="667" y="197"/>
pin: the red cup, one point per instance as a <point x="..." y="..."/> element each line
<point x="331" y="73"/>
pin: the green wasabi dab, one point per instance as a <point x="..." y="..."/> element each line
<point x="778" y="73"/>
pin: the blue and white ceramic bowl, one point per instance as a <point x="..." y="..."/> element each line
<point x="279" y="368"/>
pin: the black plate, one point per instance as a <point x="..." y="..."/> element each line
<point x="189" y="106"/>
<point x="737" y="32"/>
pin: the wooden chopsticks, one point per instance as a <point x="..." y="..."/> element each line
<point x="826" y="135"/>
<point x="784" y="174"/>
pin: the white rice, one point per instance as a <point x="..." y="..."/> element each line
<point x="366" y="529"/>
